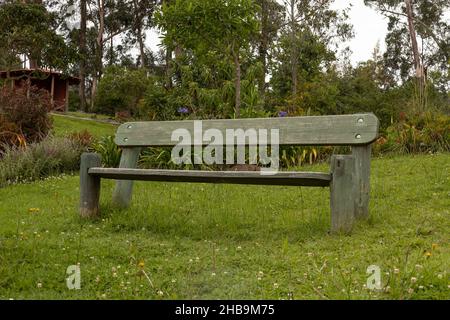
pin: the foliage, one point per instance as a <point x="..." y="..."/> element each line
<point x="23" y="115"/>
<point x="83" y="138"/>
<point x="120" y="89"/>
<point x="427" y="133"/>
<point x="212" y="27"/>
<point x="109" y="151"/>
<point x="29" y="29"/>
<point x="49" y="157"/>
<point x="432" y="26"/>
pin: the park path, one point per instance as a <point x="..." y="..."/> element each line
<point x="108" y="121"/>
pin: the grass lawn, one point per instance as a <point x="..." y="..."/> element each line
<point x="89" y="115"/>
<point x="198" y="241"/>
<point x="64" y="125"/>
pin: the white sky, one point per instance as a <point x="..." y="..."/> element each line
<point x="369" y="27"/>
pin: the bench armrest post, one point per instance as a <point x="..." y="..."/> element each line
<point x="362" y="155"/>
<point x="342" y="193"/>
<point x="124" y="188"/>
<point x="89" y="185"/>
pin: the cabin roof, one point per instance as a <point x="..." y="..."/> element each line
<point x="38" y="73"/>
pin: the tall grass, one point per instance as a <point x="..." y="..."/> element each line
<point x="52" y="156"/>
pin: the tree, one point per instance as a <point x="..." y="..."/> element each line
<point x="219" y="26"/>
<point x="271" y="19"/>
<point x="310" y="30"/>
<point x="317" y="18"/>
<point x="30" y="30"/>
<point x="418" y="41"/>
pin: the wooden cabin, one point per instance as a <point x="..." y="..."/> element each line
<point x="56" y="83"/>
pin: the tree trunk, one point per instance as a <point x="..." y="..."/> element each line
<point x="263" y="44"/>
<point x="83" y="20"/>
<point x="141" y="47"/>
<point x="417" y="60"/>
<point x="99" y="50"/>
<point x="140" y="37"/>
<point x="237" y="105"/>
<point x="294" y="50"/>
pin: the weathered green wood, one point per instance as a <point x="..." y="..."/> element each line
<point x="89" y="186"/>
<point x="358" y="129"/>
<point x="124" y="188"/>
<point x="362" y="155"/>
<point x="342" y="193"/>
<point x="312" y="179"/>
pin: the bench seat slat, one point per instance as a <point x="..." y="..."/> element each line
<point x="311" y="179"/>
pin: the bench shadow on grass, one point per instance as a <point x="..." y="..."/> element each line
<point x="295" y="214"/>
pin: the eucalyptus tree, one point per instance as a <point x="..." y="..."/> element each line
<point x="418" y="40"/>
<point x="310" y="27"/>
<point x="270" y="15"/>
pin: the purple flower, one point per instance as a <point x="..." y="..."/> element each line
<point x="183" y="110"/>
<point x="282" y="114"/>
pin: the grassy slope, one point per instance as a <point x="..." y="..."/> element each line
<point x="63" y="126"/>
<point x="223" y="241"/>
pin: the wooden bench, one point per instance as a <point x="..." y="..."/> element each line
<point x="349" y="177"/>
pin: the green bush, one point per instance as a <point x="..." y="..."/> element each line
<point x="418" y="134"/>
<point x="50" y="157"/>
<point x="109" y="151"/>
<point x="120" y="89"/>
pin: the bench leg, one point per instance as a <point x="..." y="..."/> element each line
<point x="362" y="155"/>
<point x="89" y="186"/>
<point x="124" y="188"/>
<point x="342" y="193"/>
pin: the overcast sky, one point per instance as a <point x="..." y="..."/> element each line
<point x="369" y="27"/>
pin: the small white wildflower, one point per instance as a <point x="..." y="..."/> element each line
<point x="160" y="293"/>
<point x="439" y="276"/>
<point x="275" y="285"/>
<point x="410" y="290"/>
<point x="213" y="274"/>
<point x="396" y="271"/>
<point x="413" y="280"/>
<point x="39" y="285"/>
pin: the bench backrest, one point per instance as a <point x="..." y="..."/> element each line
<point x="357" y="129"/>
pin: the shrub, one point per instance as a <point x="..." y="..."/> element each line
<point x="120" y="89"/>
<point x="83" y="138"/>
<point x="23" y="116"/>
<point x="109" y="151"/>
<point x="417" y="134"/>
<point x="52" y="156"/>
